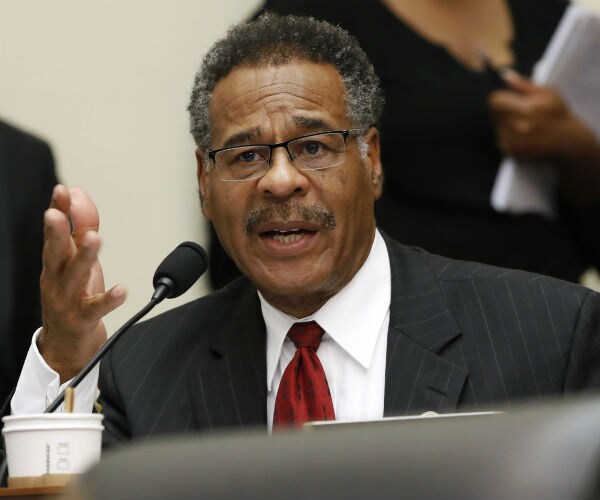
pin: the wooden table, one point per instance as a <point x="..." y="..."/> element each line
<point x="32" y="493"/>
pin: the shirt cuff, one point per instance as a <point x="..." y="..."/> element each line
<point x="39" y="385"/>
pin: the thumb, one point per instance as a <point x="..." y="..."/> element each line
<point x="518" y="82"/>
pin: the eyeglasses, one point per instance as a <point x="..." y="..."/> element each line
<point x="308" y="152"/>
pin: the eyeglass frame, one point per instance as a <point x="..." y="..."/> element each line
<point x="354" y="132"/>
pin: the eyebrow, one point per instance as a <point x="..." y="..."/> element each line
<point x="304" y="122"/>
<point x="311" y="124"/>
<point x="243" y="137"/>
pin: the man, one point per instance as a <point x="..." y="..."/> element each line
<point x="27" y="177"/>
<point x="283" y="113"/>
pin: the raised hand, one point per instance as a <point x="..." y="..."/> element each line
<point x="72" y="286"/>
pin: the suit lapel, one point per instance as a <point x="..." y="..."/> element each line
<point x="418" y="377"/>
<point x="229" y="389"/>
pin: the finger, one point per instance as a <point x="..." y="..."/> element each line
<point x="518" y="82"/>
<point x="58" y="244"/>
<point x="512" y="144"/>
<point x="99" y="305"/>
<point x="81" y="287"/>
<point x="61" y="199"/>
<point x="78" y="207"/>
<point x="84" y="214"/>
<point x="518" y="126"/>
<point x="76" y="279"/>
<point x="507" y="103"/>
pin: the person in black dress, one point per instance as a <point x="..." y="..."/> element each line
<point x="440" y="132"/>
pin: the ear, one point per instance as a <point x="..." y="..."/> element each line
<point x="373" y="161"/>
<point x="203" y="182"/>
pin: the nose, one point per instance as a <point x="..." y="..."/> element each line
<point x="283" y="179"/>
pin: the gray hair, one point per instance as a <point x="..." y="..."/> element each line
<point x="274" y="40"/>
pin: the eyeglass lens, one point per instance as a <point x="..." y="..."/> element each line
<point x="307" y="153"/>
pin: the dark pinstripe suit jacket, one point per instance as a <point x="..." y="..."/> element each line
<point x="461" y="336"/>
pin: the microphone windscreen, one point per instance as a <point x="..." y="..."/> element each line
<point x="183" y="266"/>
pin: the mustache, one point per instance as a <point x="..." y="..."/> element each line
<point x="313" y="214"/>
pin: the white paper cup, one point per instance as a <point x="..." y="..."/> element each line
<point x="52" y="443"/>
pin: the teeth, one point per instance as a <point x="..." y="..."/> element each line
<point x="286" y="237"/>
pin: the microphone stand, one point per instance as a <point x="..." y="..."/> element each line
<point x="99" y="355"/>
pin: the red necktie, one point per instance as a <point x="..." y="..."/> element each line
<point x="303" y="394"/>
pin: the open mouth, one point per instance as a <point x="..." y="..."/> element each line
<point x="286" y="237"/>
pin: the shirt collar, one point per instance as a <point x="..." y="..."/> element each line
<point x="352" y="317"/>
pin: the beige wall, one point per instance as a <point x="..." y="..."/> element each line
<point x="107" y="83"/>
<point x="594" y="4"/>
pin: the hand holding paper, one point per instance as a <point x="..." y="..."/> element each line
<point x="534" y="123"/>
<point x="550" y="129"/>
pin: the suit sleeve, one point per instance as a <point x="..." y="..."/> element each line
<point x="583" y="370"/>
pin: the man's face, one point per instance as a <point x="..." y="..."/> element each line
<point x="300" y="236"/>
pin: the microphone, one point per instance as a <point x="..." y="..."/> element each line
<point x="173" y="277"/>
<point x="179" y="270"/>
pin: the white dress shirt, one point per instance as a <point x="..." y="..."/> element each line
<point x="353" y="348"/>
<point x="39" y="385"/>
<point x="352" y="351"/>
